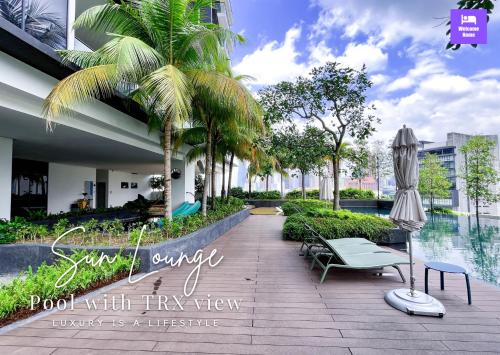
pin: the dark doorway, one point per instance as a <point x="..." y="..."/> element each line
<point x="101" y="195"/>
<point x="29" y="187"/>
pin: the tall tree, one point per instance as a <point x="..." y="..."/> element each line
<point x="433" y="179"/>
<point x="479" y="172"/>
<point x="307" y="150"/>
<point x="333" y="96"/>
<point x="359" y="161"/>
<point x="221" y="116"/>
<point x="161" y="52"/>
<point x="380" y="161"/>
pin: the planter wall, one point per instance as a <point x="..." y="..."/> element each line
<point x="18" y="257"/>
<point x="396" y="236"/>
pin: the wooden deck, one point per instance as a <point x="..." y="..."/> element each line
<point x="284" y="310"/>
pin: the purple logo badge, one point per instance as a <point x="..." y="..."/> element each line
<point x="468" y="26"/>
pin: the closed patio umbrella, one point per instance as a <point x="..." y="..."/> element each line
<point x="325" y="189"/>
<point x="409" y="215"/>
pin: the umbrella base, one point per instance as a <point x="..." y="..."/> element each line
<point x="419" y="304"/>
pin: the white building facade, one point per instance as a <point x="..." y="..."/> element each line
<point x="104" y="150"/>
<point x="451" y="158"/>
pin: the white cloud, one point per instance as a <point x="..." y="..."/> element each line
<point x="443" y="103"/>
<point x="487" y="74"/>
<point x="427" y="63"/>
<point x="356" y="55"/>
<point x="379" y="79"/>
<point x="385" y="22"/>
<point x="275" y="61"/>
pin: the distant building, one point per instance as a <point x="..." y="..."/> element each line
<point x="449" y="154"/>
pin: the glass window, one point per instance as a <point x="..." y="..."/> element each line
<point x="46" y="20"/>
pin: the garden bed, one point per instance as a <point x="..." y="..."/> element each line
<point x="336" y="224"/>
<point x="15" y="297"/>
<point x="16" y="257"/>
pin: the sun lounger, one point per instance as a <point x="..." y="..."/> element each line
<point x="192" y="209"/>
<point x="180" y="209"/>
<point x="351" y="253"/>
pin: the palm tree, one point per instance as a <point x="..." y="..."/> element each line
<point x="36" y="19"/>
<point x="220" y="112"/>
<point x="160" y="52"/>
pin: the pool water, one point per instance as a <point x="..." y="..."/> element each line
<point x="462" y="241"/>
<point x="459" y="240"/>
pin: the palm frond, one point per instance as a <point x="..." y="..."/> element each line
<point x="228" y="93"/>
<point x="83" y="86"/>
<point x="133" y="57"/>
<point x="123" y="19"/>
<point x="170" y="92"/>
<point x="196" y="152"/>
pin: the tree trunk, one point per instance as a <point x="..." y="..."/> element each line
<point x="208" y="170"/>
<point x="249" y="186"/>
<point x="432" y="203"/>
<point x="214" y="165"/>
<point x="167" y="165"/>
<point x="303" y="186"/>
<point x="230" y="175"/>
<point x="267" y="183"/>
<point x="223" y="188"/>
<point x="336" y="182"/>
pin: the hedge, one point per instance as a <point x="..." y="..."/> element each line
<point x="255" y="195"/>
<point x="356" y="194"/>
<point x="297" y="194"/>
<point x="336" y="224"/>
<point x="346" y="194"/>
<point x="297" y="206"/>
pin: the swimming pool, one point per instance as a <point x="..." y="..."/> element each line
<point x="458" y="240"/>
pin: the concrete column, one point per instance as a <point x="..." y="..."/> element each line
<point x="189" y="176"/>
<point x="70" y="32"/>
<point x="5" y="177"/>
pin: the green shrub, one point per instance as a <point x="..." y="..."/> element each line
<point x="17" y="294"/>
<point x="441" y="210"/>
<point x="20" y="229"/>
<point x="238" y="193"/>
<point x="336" y="224"/>
<point x="266" y="195"/>
<point x="297" y="194"/>
<point x="300" y="206"/>
<point x="256" y="195"/>
<point x="99" y="233"/>
<point x="356" y="194"/>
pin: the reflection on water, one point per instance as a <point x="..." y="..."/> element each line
<point x="458" y="240"/>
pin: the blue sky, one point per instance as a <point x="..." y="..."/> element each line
<point x="417" y="82"/>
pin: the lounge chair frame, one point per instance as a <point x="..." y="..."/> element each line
<point x="334" y="259"/>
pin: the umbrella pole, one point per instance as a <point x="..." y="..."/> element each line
<point x="410" y="251"/>
<point x="410" y="300"/>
